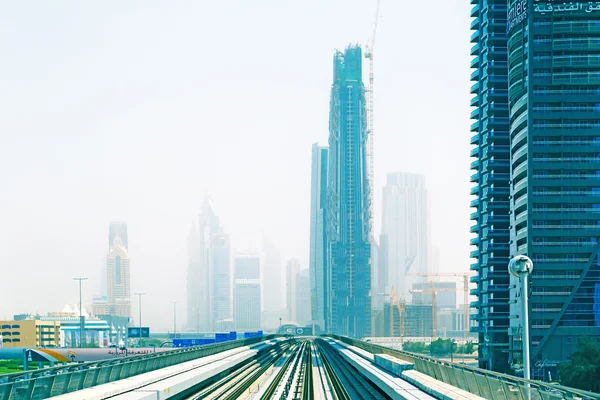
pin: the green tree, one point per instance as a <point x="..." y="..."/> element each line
<point x="469" y="347"/>
<point x="441" y="347"/>
<point x="584" y="369"/>
<point x="415" y="347"/>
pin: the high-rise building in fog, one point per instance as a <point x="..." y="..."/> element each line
<point x="118" y="280"/>
<point x="247" y="292"/>
<point x="318" y="239"/>
<point x="291" y="288"/>
<point x="272" y="282"/>
<point x="208" y="280"/>
<point x="119" y="229"/>
<point x="405" y="223"/>
<point x="382" y="273"/>
<point x="554" y="218"/>
<point x="491" y="169"/>
<point x="221" y="282"/>
<point x="348" y="202"/>
<point x="303" y="297"/>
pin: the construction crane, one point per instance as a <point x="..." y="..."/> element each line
<point x="369" y="54"/>
<point x="400" y="306"/>
<point x="465" y="276"/>
<point x="433" y="292"/>
<point x="370" y="150"/>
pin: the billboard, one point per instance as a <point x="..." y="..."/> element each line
<point x="132" y="333"/>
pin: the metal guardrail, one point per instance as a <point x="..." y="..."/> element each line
<point x="48" y="382"/>
<point x="484" y="383"/>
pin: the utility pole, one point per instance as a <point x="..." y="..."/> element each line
<point x="174" y="318"/>
<point x="520" y="267"/>
<point x="81" y="317"/>
<point x="140" y="294"/>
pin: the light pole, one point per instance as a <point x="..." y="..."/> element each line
<point x="140" y="294"/>
<point x="520" y="267"/>
<point x="174" y="318"/>
<point x="81" y="318"/>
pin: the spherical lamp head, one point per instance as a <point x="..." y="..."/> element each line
<point x="520" y="266"/>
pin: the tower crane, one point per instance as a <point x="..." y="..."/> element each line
<point x="465" y="276"/>
<point x="400" y="306"/>
<point x="433" y="292"/>
<point x="370" y="149"/>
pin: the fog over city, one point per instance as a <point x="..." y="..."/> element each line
<point x="136" y="111"/>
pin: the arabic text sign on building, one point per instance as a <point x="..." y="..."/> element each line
<point x="516" y="14"/>
<point x="547" y="7"/>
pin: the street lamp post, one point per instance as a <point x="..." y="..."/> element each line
<point x="140" y="294"/>
<point x="520" y="267"/>
<point x="174" y="318"/>
<point x="81" y="317"/>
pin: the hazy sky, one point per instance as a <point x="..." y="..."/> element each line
<point x="132" y="110"/>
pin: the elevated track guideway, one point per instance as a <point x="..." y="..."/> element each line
<point x="281" y="368"/>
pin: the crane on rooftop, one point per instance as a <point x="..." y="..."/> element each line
<point x="370" y="148"/>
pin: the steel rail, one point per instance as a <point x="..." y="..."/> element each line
<point x="227" y="388"/>
<point x="308" y="390"/>
<point x="359" y="384"/>
<point x="275" y="383"/>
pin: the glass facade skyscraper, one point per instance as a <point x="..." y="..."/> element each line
<point x="348" y="203"/>
<point x="554" y="99"/>
<point x="491" y="174"/>
<point x="318" y="239"/>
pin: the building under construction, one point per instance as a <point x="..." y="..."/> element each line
<point x="417" y="321"/>
<point x="348" y="201"/>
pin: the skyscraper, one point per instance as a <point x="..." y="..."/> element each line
<point x="348" y="203"/>
<point x="491" y="170"/>
<point x="291" y="288"/>
<point x="221" y="282"/>
<point x="303" y="297"/>
<point x="272" y="283"/>
<point x="318" y="238"/>
<point x="246" y="292"/>
<point x="208" y="272"/>
<point x="118" y="229"/>
<point x="118" y="280"/>
<point x="554" y="103"/>
<point x="405" y="225"/>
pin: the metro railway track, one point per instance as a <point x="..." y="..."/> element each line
<point x="295" y="370"/>
<point x="348" y="383"/>
<point x="234" y="384"/>
<point x="292" y="366"/>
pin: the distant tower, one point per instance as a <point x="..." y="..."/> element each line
<point x="119" y="229"/>
<point x="246" y="293"/>
<point x="318" y="238"/>
<point x="208" y="272"/>
<point x="348" y="201"/>
<point x="291" y="288"/>
<point x="303" y="297"/>
<point x="118" y="279"/>
<point x="405" y="223"/>
<point x="272" y="283"/>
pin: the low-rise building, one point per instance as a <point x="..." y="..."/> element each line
<point x="30" y="333"/>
